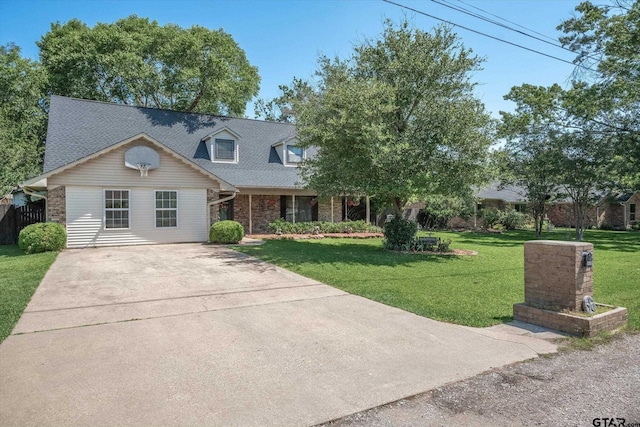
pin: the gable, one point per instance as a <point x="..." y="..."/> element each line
<point x="108" y="169"/>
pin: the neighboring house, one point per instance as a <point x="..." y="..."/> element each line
<point x="617" y="211"/>
<point x="199" y="169"/>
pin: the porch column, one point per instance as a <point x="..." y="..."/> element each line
<point x="332" y="209"/>
<point x="368" y="211"/>
<point x="250" y="216"/>
<point x="293" y="204"/>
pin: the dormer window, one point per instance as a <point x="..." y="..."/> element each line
<point x="294" y="154"/>
<point x="224" y="150"/>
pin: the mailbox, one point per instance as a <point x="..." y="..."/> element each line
<point x="587" y="259"/>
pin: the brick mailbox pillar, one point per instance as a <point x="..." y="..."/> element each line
<point x="555" y="274"/>
<point x="557" y="277"/>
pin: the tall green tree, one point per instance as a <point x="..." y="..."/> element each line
<point x="396" y="120"/>
<point x="135" y="61"/>
<point x="23" y="118"/>
<point x="552" y="151"/>
<point x="606" y="94"/>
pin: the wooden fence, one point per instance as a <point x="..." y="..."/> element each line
<point x="13" y="219"/>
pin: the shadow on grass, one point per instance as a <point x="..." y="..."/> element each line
<point x="10" y="251"/>
<point x="624" y="241"/>
<point x="287" y="252"/>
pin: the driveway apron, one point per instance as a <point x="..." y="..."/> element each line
<point x="201" y="335"/>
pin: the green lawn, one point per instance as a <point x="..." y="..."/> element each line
<point x="20" y="275"/>
<point x="468" y="290"/>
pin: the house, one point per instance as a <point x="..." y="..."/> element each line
<point x="122" y="175"/>
<point x="616" y="211"/>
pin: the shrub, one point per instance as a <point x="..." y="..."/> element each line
<point x="323" y="227"/>
<point x="226" y="232"/>
<point x="514" y="220"/>
<point x="42" y="237"/>
<point x="399" y="234"/>
<point x="491" y="217"/>
<point x="438" y="210"/>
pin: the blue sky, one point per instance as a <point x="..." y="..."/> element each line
<point x="284" y="38"/>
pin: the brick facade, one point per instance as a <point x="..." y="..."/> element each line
<point x="561" y="215"/>
<point x="57" y="206"/>
<point x="324" y="209"/>
<point x="554" y="275"/>
<point x="266" y="208"/>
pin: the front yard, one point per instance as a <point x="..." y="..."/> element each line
<point x="468" y="290"/>
<point x="20" y="276"/>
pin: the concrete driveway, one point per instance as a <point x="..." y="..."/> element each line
<point x="201" y="335"/>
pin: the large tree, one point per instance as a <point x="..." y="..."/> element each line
<point x="606" y="94"/>
<point x="138" y="62"/>
<point x="552" y="151"/>
<point x="22" y="117"/>
<point x="396" y="120"/>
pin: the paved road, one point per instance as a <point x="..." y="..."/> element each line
<point x="202" y="335"/>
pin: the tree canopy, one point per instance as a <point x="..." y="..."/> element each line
<point x="23" y="118"/>
<point x="135" y="61"/>
<point x="396" y="120"/>
<point x="587" y="137"/>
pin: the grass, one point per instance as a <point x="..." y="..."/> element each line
<point x="20" y="275"/>
<point x="468" y="290"/>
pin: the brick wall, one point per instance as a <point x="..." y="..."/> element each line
<point x="612" y="215"/>
<point x="57" y="206"/>
<point x="266" y="209"/>
<point x="561" y="215"/>
<point x="554" y="275"/>
<point x="635" y="199"/>
<point x="324" y="209"/>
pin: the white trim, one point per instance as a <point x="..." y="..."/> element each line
<point x="285" y="154"/>
<point x="104" y="208"/>
<point x="236" y="151"/>
<point x="156" y="209"/>
<point x="250" y="217"/>
<point x="219" y="131"/>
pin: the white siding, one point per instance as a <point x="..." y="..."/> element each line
<point x="85" y="226"/>
<point x="108" y="170"/>
<point x="85" y="185"/>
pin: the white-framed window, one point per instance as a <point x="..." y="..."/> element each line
<point x="116" y="209"/>
<point x="166" y="209"/>
<point x="224" y="150"/>
<point x="632" y="212"/>
<point x="293" y="154"/>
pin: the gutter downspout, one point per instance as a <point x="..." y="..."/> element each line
<point x="46" y="201"/>
<point x="216" y="202"/>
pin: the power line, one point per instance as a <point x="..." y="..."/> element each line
<point x="445" y="3"/>
<point x="506" y="20"/>
<point x="487" y="35"/>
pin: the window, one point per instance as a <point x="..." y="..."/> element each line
<point x="520" y="207"/>
<point x="166" y="209"/>
<point x="224" y="150"/>
<point x="302" y="209"/>
<point x="294" y="154"/>
<point x="116" y="209"/>
<point x="632" y="212"/>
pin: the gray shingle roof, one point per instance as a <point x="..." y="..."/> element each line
<point x="509" y="193"/>
<point x="79" y="128"/>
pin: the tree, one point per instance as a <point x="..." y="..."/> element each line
<point x="135" y="61"/>
<point x="396" y="120"/>
<point x="552" y="150"/>
<point x="23" y="118"/>
<point x="606" y="94"/>
<point x="528" y="160"/>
